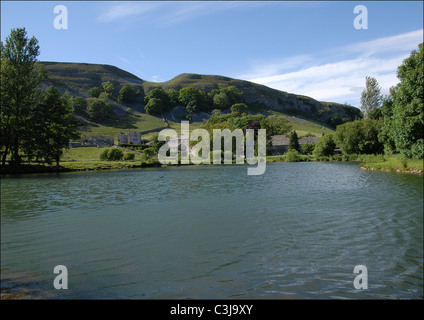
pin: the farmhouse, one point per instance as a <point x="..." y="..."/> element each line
<point x="129" y="137"/>
<point x="93" y="141"/>
<point x="280" y="143"/>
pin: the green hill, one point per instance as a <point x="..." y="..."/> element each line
<point x="307" y="114"/>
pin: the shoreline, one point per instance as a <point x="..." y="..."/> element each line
<point x="34" y="169"/>
<point x="397" y="170"/>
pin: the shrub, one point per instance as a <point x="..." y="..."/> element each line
<point x="129" y="156"/>
<point x="292" y="155"/>
<point x="111" y="155"/>
<point x="325" y="146"/>
<point x="104" y="156"/>
<point x="95" y="92"/>
<point x="116" y="154"/>
<point x="307" y="148"/>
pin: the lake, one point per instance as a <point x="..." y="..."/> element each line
<point x="214" y="232"/>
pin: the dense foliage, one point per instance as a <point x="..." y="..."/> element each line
<point x="34" y="124"/>
<point x="403" y="129"/>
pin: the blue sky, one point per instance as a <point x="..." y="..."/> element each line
<point x="309" y="48"/>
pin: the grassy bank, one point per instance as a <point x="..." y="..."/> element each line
<point x="87" y="159"/>
<point x="387" y="163"/>
<point x="392" y="163"/>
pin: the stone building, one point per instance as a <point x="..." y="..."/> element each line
<point x="129" y="137"/>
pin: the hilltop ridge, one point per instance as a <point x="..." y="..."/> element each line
<point x="78" y="78"/>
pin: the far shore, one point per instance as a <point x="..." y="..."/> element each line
<point x="392" y="163"/>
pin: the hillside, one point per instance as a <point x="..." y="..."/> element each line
<point x="78" y="78"/>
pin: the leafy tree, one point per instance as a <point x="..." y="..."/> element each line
<point x="307" y="148"/>
<point x="239" y="107"/>
<point x="161" y="103"/>
<point x="292" y="155"/>
<point x="100" y="110"/>
<point x="194" y="99"/>
<point x="56" y="125"/>
<point x="403" y="129"/>
<point x="116" y="154"/>
<point x="325" y="146"/>
<point x="370" y="98"/>
<point x="113" y="154"/>
<point x="104" y="156"/>
<point x="233" y="94"/>
<point x="154" y="106"/>
<point x="19" y="92"/>
<point x="80" y="105"/>
<point x="359" y="137"/>
<point x="221" y="101"/>
<point x="173" y="97"/>
<point x="126" y="94"/>
<point x="275" y="125"/>
<point x="294" y="141"/>
<point x="129" y="156"/>
<point x="94" y="92"/>
<point x="108" y="87"/>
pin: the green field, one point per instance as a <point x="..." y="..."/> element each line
<point x="391" y="163"/>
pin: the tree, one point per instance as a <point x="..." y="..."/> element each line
<point x="233" y="93"/>
<point x="126" y="94"/>
<point x="294" y="141"/>
<point x="370" y="98"/>
<point x="404" y="128"/>
<point x="100" y="110"/>
<point x="108" y="87"/>
<point x="114" y="154"/>
<point x="221" y="101"/>
<point x="20" y="92"/>
<point x="161" y="103"/>
<point x="80" y="105"/>
<point x="56" y="125"/>
<point x="239" y="107"/>
<point x="173" y="97"/>
<point x="307" y="148"/>
<point x="325" y="146"/>
<point x="154" y="106"/>
<point x="194" y="99"/>
<point x="94" y="92"/>
<point x="359" y="137"/>
<point x="275" y="125"/>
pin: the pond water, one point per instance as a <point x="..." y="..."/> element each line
<point x="214" y="232"/>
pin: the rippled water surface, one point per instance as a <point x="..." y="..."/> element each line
<point x="297" y="231"/>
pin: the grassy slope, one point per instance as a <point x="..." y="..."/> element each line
<point x="392" y="163"/>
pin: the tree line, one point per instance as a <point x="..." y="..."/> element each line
<point x="391" y="124"/>
<point x="35" y="124"/>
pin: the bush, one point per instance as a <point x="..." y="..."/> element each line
<point x="111" y="155"/>
<point x="292" y="155"/>
<point x="325" y="146"/>
<point x="126" y="94"/>
<point x="104" y="156"/>
<point x="129" y="156"/>
<point x="95" y="92"/>
<point x="307" y="148"/>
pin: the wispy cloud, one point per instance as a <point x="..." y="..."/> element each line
<point x="164" y="13"/>
<point x="123" y="59"/>
<point x="121" y="11"/>
<point x="341" y="76"/>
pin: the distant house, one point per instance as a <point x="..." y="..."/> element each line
<point x="129" y="137"/>
<point x="280" y="143"/>
<point x="93" y="141"/>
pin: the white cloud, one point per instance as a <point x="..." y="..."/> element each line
<point x="123" y="59"/>
<point x="124" y="10"/>
<point x="172" y="12"/>
<point x="344" y="79"/>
